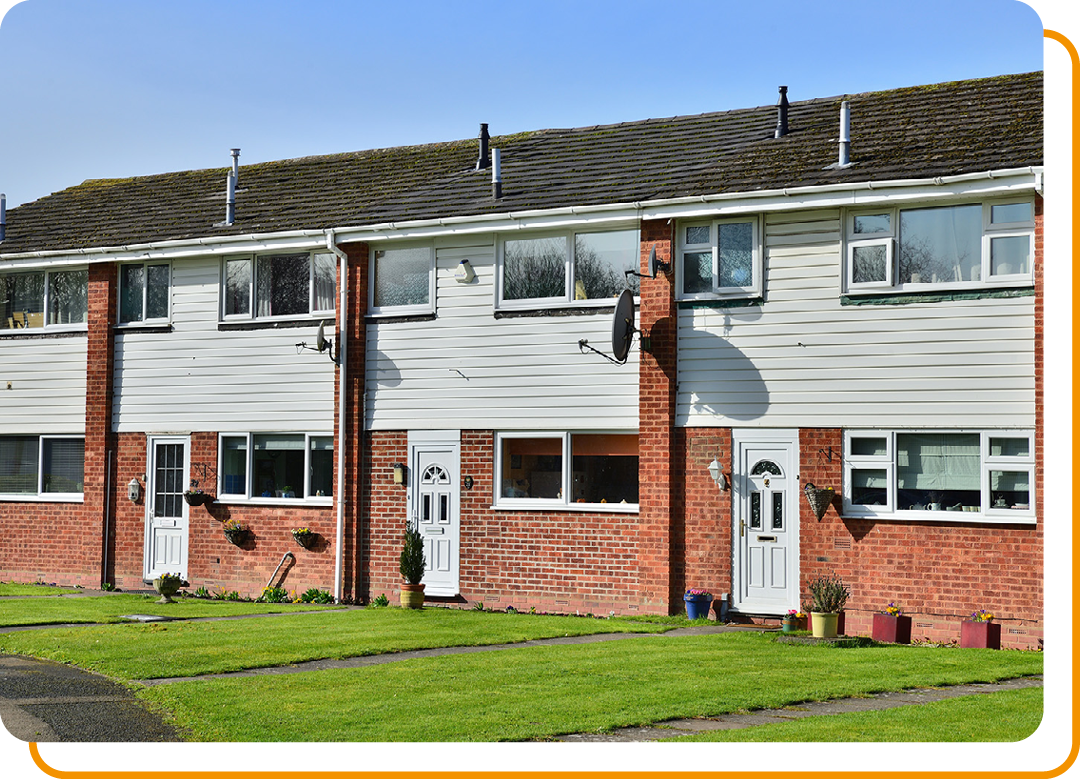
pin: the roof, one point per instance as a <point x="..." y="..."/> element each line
<point x="915" y="132"/>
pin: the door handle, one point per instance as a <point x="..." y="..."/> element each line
<point x="742" y="528"/>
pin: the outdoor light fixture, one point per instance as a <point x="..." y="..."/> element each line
<point x="718" y="475"/>
<point x="399" y="473"/>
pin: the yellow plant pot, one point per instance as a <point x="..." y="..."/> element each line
<point x="412" y="596"/>
<point x="824" y="625"/>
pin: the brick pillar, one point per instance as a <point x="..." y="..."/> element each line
<point x="352" y="439"/>
<point x="97" y="548"/>
<point x="656" y="424"/>
<point x="1053" y="417"/>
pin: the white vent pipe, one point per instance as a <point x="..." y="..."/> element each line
<point x="235" y="163"/>
<point x="3" y="215"/>
<point x="845" y="134"/>
<point x="496" y="173"/>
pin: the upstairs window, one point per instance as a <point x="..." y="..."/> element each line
<point x="402" y="280"/>
<point x="569" y="268"/>
<point x="970" y="245"/>
<point x="719" y="259"/>
<point x="144" y="292"/>
<point x="43" y="299"/>
<point x="41" y="466"/>
<point x="279" y="286"/>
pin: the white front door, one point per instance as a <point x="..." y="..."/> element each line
<point x="435" y="497"/>
<point x="166" y="512"/>
<point x="766" y="526"/>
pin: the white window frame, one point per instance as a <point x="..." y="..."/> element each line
<point x="417" y="309"/>
<point x="889" y="239"/>
<point x="566" y="503"/>
<point x="987" y="463"/>
<point x="253" y="286"/>
<point x="751" y="290"/>
<point x="160" y="320"/>
<point x="41" y="496"/>
<point x="247" y="496"/>
<point x="567" y="298"/>
<point x="47" y="304"/>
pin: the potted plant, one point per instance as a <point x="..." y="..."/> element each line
<point x="167" y="585"/>
<point x="304" y="536"/>
<point x="698" y="602"/>
<point x="196" y="497"/>
<point x="235" y="531"/>
<point x="829" y="598"/>
<point x="891" y="626"/>
<point x="980" y="632"/>
<point x="412" y="565"/>
<point x="792" y="621"/>
<point x="819" y="498"/>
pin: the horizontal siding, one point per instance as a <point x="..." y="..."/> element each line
<point x="48" y="385"/>
<point x="196" y="378"/>
<point x="467" y="369"/>
<point x="803" y="360"/>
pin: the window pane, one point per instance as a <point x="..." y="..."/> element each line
<point x="697" y="235"/>
<point x="234" y="465"/>
<point x="605" y="468"/>
<point x="532" y="468"/>
<point x="534" y="268"/>
<point x="869" y="447"/>
<point x="1010" y="447"/>
<point x="1010" y="489"/>
<point x="1010" y="254"/>
<point x="938" y="469"/>
<point x="157" y="291"/>
<point x="402" y="277"/>
<point x="322" y="466"/>
<point x="601" y="261"/>
<point x="67" y="297"/>
<point x="278" y="462"/>
<point x="325" y="272"/>
<point x="284" y="285"/>
<point x="869" y="263"/>
<point x="755" y="511"/>
<point x="872" y="223"/>
<point x="869" y="486"/>
<point x="941" y="245"/>
<point x="1010" y="212"/>
<point x="697" y="272"/>
<point x="237" y="287"/>
<point x="778" y="511"/>
<point x="131" y="293"/>
<point x="62" y="469"/>
<point x="736" y="253"/>
<point x="22" y="300"/>
<point x="18" y="464"/>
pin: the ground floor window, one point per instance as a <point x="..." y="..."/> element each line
<point x="916" y="474"/>
<point x="48" y="466"/>
<point x="563" y="469"/>
<point x="288" y="466"/>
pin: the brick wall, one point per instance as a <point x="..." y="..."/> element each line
<point x="704" y="556"/>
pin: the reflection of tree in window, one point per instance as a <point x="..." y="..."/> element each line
<point x="600" y="264"/>
<point x="238" y="287"/>
<point x="534" y="268"/>
<point x="736" y="253"/>
<point x="67" y="297"/>
<point x="940" y="245"/>
<point x="284" y="285"/>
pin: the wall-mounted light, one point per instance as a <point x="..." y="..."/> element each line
<point x="399" y="473"/>
<point x="134" y="490"/>
<point x="464" y="272"/>
<point x="717" y="474"/>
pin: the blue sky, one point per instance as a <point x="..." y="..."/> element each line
<point x="117" y="88"/>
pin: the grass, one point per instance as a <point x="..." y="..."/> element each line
<point x="1010" y="715"/>
<point x="527" y="693"/>
<point x="26" y="590"/>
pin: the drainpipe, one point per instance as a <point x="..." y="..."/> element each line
<point x="339" y="448"/>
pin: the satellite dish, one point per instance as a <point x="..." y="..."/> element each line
<point x="622" y="327"/>
<point x="655" y="265"/>
<point x="320" y="339"/>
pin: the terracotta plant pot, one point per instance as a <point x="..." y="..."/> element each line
<point x="980" y="635"/>
<point x="892" y="630"/>
<point x="412" y="596"/>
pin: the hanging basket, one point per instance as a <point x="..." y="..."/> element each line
<point x="820" y="498"/>
<point x="236" y="536"/>
<point x="306" y="540"/>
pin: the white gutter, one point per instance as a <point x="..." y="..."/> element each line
<point x="982" y="183"/>
<point x="339" y="448"/>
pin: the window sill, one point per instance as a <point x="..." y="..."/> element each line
<point x="139" y="327"/>
<point x="15" y="498"/>
<point x="390" y="318"/>
<point x="562" y="309"/>
<point x="900" y="297"/>
<point x="549" y="507"/>
<point x="273" y="324"/>
<point x="721" y="303"/>
<point x="238" y="500"/>
<point x="950" y="517"/>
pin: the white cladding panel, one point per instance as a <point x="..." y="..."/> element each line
<point x="468" y="370"/>
<point x="48" y="385"/>
<point x="803" y="360"/>
<point x="197" y="378"/>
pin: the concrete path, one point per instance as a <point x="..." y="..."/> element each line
<point x="45" y="701"/>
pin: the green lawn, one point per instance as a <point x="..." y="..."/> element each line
<point x="14" y="588"/>
<point x="523" y="693"/>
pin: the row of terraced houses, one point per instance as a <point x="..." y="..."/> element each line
<point x="846" y="294"/>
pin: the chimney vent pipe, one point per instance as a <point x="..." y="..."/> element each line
<point x="482" y="160"/>
<point x="496" y="173"/>
<point x="235" y="164"/>
<point x="845" y="134"/>
<point x="3" y="215"/>
<point x="230" y="199"/>
<point x="781" y="113"/>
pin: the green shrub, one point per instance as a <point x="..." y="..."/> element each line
<point x="275" y="595"/>
<point x="413" y="561"/>
<point x="315" y="595"/>
<point x="829" y="594"/>
<point x="381" y="601"/>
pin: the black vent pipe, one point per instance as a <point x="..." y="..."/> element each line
<point x="482" y="161"/>
<point x="781" y="114"/>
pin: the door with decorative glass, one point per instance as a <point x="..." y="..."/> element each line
<point x="766" y="522"/>
<point x="435" y="497"/>
<point x="165" y="548"/>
